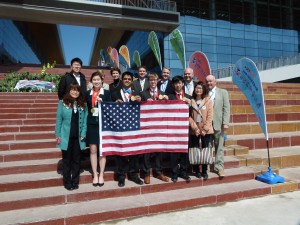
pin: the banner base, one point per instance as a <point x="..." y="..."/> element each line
<point x="270" y="177"/>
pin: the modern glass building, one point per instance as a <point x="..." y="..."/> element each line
<point x="227" y="30"/>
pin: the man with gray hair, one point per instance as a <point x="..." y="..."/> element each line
<point x="221" y="117"/>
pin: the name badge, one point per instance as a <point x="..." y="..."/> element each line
<point x="95" y="111"/>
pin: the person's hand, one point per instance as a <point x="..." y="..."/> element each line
<point x="58" y="140"/>
<point x="203" y="133"/>
<point x="166" y="97"/>
<point x="119" y="100"/>
<point x="187" y="101"/>
<point x="138" y="98"/>
<point x="82" y="138"/>
<point x="149" y="99"/>
<point x="99" y="99"/>
<point x="197" y="132"/>
<point x="225" y="127"/>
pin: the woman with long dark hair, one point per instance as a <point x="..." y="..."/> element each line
<point x="201" y="130"/>
<point x="70" y="132"/>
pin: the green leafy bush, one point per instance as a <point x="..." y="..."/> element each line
<point x="9" y="82"/>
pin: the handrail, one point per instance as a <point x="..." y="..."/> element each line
<point x="264" y="64"/>
<point x="165" y="5"/>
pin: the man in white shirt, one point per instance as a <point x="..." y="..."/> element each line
<point x="189" y="83"/>
<point x="74" y="77"/>
<point x="165" y="84"/>
<point x="221" y="118"/>
<point x="141" y="83"/>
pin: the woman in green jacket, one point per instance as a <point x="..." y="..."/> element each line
<point x="70" y="132"/>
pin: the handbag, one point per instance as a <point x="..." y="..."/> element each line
<point x="198" y="155"/>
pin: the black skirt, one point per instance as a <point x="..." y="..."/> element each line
<point x="92" y="134"/>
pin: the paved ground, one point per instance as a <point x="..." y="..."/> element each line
<point x="272" y="209"/>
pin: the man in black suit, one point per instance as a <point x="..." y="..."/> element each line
<point x="165" y="84"/>
<point x="152" y="94"/>
<point x="74" y="77"/>
<point x="180" y="159"/>
<point x="189" y="83"/>
<point x="141" y="83"/>
<point x="125" y="95"/>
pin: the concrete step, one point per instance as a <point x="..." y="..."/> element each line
<point x="27" y="135"/>
<point x="244" y="118"/>
<point x="55" y="164"/>
<point x="258" y="141"/>
<point x="269" y="102"/>
<point x="270" y="109"/>
<point x="254" y="127"/>
<point x="39" y="120"/>
<point x="28" y="111"/>
<point x="21" y="101"/>
<point x="271" y="96"/>
<point x="12" y="200"/>
<point x="99" y="210"/>
<point x="30" y="154"/>
<point x="27" y="144"/>
<point x="27" y="128"/>
<point x="283" y="157"/>
<point x="33" y="105"/>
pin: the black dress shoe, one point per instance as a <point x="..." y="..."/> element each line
<point x="185" y="177"/>
<point x="198" y="175"/>
<point x="69" y="187"/>
<point x="75" y="186"/>
<point x="121" y="183"/>
<point x="174" y="179"/>
<point x="205" y="176"/>
<point x="101" y="184"/>
<point x="136" y="180"/>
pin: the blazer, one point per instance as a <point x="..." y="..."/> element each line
<point x="137" y="86"/>
<point x="206" y="112"/>
<point x="117" y="95"/>
<point x="221" y="109"/>
<point x="194" y="82"/>
<point x="68" y="79"/>
<point x="145" y="95"/>
<point x="172" y="96"/>
<point x="63" y="125"/>
<point x="169" y="88"/>
<point x="105" y="98"/>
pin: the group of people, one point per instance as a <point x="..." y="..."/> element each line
<point x="77" y="121"/>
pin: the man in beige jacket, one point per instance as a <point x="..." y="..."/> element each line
<point x="221" y="119"/>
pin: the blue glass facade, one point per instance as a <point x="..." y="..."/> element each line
<point x="13" y="46"/>
<point x="224" y="42"/>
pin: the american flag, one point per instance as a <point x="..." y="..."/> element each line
<point x="137" y="128"/>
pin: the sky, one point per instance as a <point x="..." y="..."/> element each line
<point x="77" y="41"/>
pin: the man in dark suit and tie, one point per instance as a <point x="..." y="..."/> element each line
<point x="141" y="83"/>
<point x="165" y="84"/>
<point x="179" y="158"/>
<point x="125" y="95"/>
<point x="189" y="83"/>
<point x="152" y="94"/>
<point x="74" y="77"/>
<point x="221" y="118"/>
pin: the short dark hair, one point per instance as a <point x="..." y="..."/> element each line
<point x="115" y="69"/>
<point x="76" y="60"/>
<point x="205" y="92"/>
<point x="127" y="73"/>
<point x="177" y="79"/>
<point x="142" y="66"/>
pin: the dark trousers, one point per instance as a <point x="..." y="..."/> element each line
<point x="71" y="163"/>
<point x="157" y="169"/>
<point x="183" y="160"/>
<point x="131" y="162"/>
<point x="205" y="140"/>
